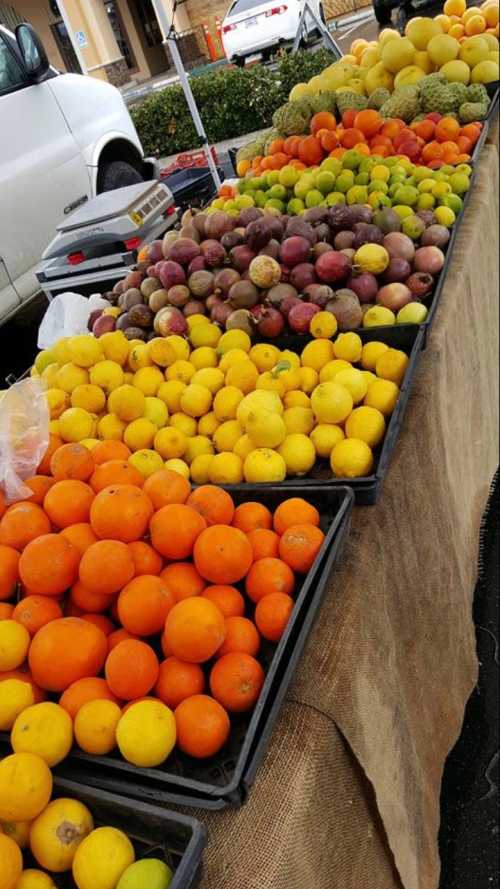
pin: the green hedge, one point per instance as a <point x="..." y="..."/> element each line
<point x="232" y="102"/>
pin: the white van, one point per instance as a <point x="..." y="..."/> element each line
<point x="253" y="27"/>
<point x="63" y="139"/>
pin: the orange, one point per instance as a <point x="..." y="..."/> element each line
<point x="227" y="599"/>
<point x="66" y="650"/>
<point x="236" y="681"/>
<point x="264" y="543"/>
<point x="84" y="690"/>
<point x="9" y="571"/>
<point x="447" y="129"/>
<point x="101" y="621"/>
<point x="21" y="523"/>
<point x="165" y="487"/>
<point x="131" y="669"/>
<point x="472" y="131"/>
<point x="432" y="151"/>
<point x="106" y="567"/>
<point x="310" y="151"/>
<point x="12" y="862"/>
<point x="241" y="636"/>
<point x="348" y="118"/>
<point x="368" y="121"/>
<point x="115" y="472"/>
<point x="72" y="461"/>
<point x="143" y="605"/>
<point x="276" y="146"/>
<point x="203" y="726"/>
<point x="291" y="146"/>
<point x="222" y="554"/>
<point x="55" y="442"/>
<point x="251" y="515"/>
<point x="6" y="611"/>
<point x="174" y="530"/>
<point x="272" y="615"/>
<point x="34" y="612"/>
<point x="89" y="601"/>
<point x="146" y="559"/>
<point x="49" y="565"/>
<point x="213" y="503"/>
<point x="300" y="545"/>
<point x="118" y="636"/>
<point x="269" y="575"/>
<point x="425" y="129"/>
<point x="351" y="137"/>
<point x="183" y="580"/>
<point x="110" y="450"/>
<point x="68" y="502"/>
<point x="80" y="535"/>
<point x="323" y="120"/>
<point x="329" y="140"/>
<point x="121" y="512"/>
<point x="39" y="484"/>
<point x="195" y="630"/>
<point x="294" y="511"/>
<point x="178" y="681"/>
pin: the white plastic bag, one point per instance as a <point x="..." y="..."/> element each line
<point x="67" y="315"/>
<point x="24" y="436"/>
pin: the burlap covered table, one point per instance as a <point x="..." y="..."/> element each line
<point x="348" y="795"/>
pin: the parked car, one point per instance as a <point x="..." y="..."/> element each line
<point x="64" y="138"/>
<point x="253" y="26"/>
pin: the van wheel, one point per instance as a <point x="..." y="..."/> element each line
<point x="117" y="174"/>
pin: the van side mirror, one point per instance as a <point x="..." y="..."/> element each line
<point x="32" y="52"/>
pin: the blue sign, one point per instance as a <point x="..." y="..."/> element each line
<point x="81" y="39"/>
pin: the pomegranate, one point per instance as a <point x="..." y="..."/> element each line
<point x="394" y="296"/>
<point x="271" y="323"/>
<point x="428" y="259"/>
<point x="170" y="320"/>
<point x="399" y="245"/>
<point x="183" y="251"/>
<point x="171" y="273"/>
<point x="300" y="316"/>
<point x="295" y="250"/>
<point x="435" y="236"/>
<point x="397" y="270"/>
<point x="420" y="284"/>
<point x="365" y="286"/>
<point x="303" y="275"/>
<point x="333" y="267"/>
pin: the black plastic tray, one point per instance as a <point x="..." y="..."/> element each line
<point x="478" y="147"/>
<point x="156" y="833"/>
<point x="191" y="186"/>
<point x="222" y="781"/>
<point x="493" y="92"/>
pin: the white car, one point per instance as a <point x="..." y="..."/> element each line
<point x="252" y="26"/>
<point x="64" y="138"/>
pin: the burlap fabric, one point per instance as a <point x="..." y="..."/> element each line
<point x="348" y="796"/>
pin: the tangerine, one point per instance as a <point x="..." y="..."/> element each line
<point x="146" y="559"/>
<point x="241" y="636"/>
<point x="299" y="546"/>
<point x="177" y="681"/>
<point x="84" y="690"/>
<point x="68" y="502"/>
<point x="195" y="630"/>
<point x="34" y="612"/>
<point x="65" y="650"/>
<point x="183" y="580"/>
<point x="294" y="511"/>
<point x="264" y="543"/>
<point x="269" y="575"/>
<point x="369" y="122"/>
<point x="131" y="669"/>
<point x="227" y="599"/>
<point x="165" y="487"/>
<point x="272" y="615"/>
<point x="323" y="120"/>
<point x="101" y="621"/>
<point x="222" y="554"/>
<point x="121" y="512"/>
<point x="115" y="472"/>
<point x="144" y="604"/>
<point x="39" y="484"/>
<point x="236" y="681"/>
<point x="105" y="451"/>
<point x="88" y="601"/>
<point x="118" y="636"/>
<point x="174" y="530"/>
<point x="251" y="515"/>
<point x="72" y="460"/>
<point x="203" y="726"/>
<point x="213" y="503"/>
<point x="106" y="567"/>
<point x="21" y="523"/>
<point x="49" y="565"/>
<point x="80" y="535"/>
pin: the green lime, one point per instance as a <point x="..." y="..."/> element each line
<point x="345" y="181"/>
<point x="331" y="165"/>
<point x="362" y="179"/>
<point x="453" y="202"/>
<point x="325" y="181"/>
<point x="444" y="216"/>
<point x="277" y="192"/>
<point x="244" y="201"/>
<point x="378" y="185"/>
<point x="314" y="198"/>
<point x="304" y="185"/>
<point x="260" y="199"/>
<point x="278" y="205"/>
<point x="420" y="173"/>
<point x="295" y="207"/>
<point x="426" y="185"/>
<point x="289" y="176"/>
<point x="272" y="177"/>
<point x="335" y="197"/>
<point x="459" y="182"/>
<point x="149" y="872"/>
<point x="402" y="211"/>
<point x="351" y="160"/>
<point x="358" y="194"/>
<point x="258" y="182"/>
<point x="426" y="201"/>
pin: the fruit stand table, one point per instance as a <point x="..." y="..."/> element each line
<point x="348" y="795"/>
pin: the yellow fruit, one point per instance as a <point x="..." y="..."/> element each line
<point x="264" y="465"/>
<point x="354" y="382"/>
<point x="473" y="50"/>
<point x="423" y="61"/>
<point x="110" y="428"/>
<point x="298" y="419"/>
<point x="351" y="458"/>
<point x="25" y="787"/>
<point x="265" y="356"/>
<point x="200" y="469"/>
<point x="12" y="863"/>
<point x="127" y="403"/>
<point x="180" y="370"/>
<point x="69" y="376"/>
<point x="244" y="446"/>
<point x="421" y="30"/>
<point x="261" y="398"/>
<point x="19" y="831"/>
<point x="456" y="72"/>
<point x="324" y="438"/>
<point x="470" y="12"/>
<point x="179" y="466"/>
<point x="146" y="461"/>
<point x="485" y="72"/>
<point x="44" y="729"/>
<point x="265" y="428"/>
<point x="272" y="381"/>
<point x="369" y="57"/>
<point x="226" y="468"/>
<point x="348" y="347"/>
<point x="103" y="856"/>
<point x="205" y="335"/>
<point x="383" y="395"/>
<point x="331" y="403"/>
<point x="323" y="324"/>
<point x="387" y="34"/>
<point x="442" y="49"/>
<point x="318" y="352"/>
<point x="208" y="424"/>
<point x="454" y="7"/>
<point x="457" y="31"/>
<point x="299" y="91"/>
<point x="196" y="447"/>
<point x="161" y="352"/>
<point x="44" y="358"/>
<point x="392" y="365"/>
<point x="187" y="425"/>
<point x="146" y="733"/>
<point x="204" y="356"/>
<point x="377" y="77"/>
<point x="210" y="377"/>
<point x="371" y="352"/>
<point x="14" y="644"/>
<point x="139" y="357"/>
<point x="54" y="427"/>
<point x="170" y="392"/>
<point x="15" y="696"/>
<point x="170" y="442"/>
<point x="379" y="316"/>
<point x="309" y="379"/>
<point x="243" y="375"/>
<point x="330" y="370"/>
<point x="369" y="376"/>
<point x="366" y="424"/>
<point x="59" y="830"/>
<point x="156" y="411"/>
<point x="180" y="346"/>
<point x="371" y="258"/>
<point x="234" y="339"/>
<point x="139" y="434"/>
<point x="444" y="21"/>
<point x="49" y="375"/>
<point x="299" y="454"/>
<point x="107" y="375"/>
<point x="84" y="350"/>
<point x="291" y="357"/>
<point x="226" y="403"/>
<point x="397" y="54"/>
<point x="226" y="435"/>
<point x="88" y="397"/>
<point x="35" y="879"/>
<point x="196" y="400"/>
<point x="408" y="76"/>
<point x="115" y="347"/>
<point x="95" y="728"/>
<point x="148" y="380"/>
<point x="233" y="356"/>
<point x="298" y="398"/>
<point x="61" y="351"/>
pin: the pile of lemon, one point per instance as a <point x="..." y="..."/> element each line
<point x="218" y="409"/>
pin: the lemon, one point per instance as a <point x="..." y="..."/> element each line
<point x="179" y="466"/>
<point x="266" y="428"/>
<point x="90" y="398"/>
<point x="15" y="696"/>
<point x="95" y="726"/>
<point x="60" y="351"/>
<point x="69" y="376"/>
<point x="445" y="216"/>
<point x="170" y="442"/>
<point x="111" y="428"/>
<point x="298" y="398"/>
<point x="227" y="434"/>
<point x="58" y="401"/>
<point x="127" y="403"/>
<point x="265" y="356"/>
<point x="44" y="358"/>
<point x="161" y="352"/>
<point x="49" y="375"/>
<point x="243" y="375"/>
<point x="170" y="392"/>
<point x="146" y="461"/>
<point x="75" y="424"/>
<point x="196" y="400"/>
<point x="369" y="377"/>
<point x="371" y="352"/>
<point x="226" y="468"/>
<point x="309" y="379"/>
<point x="392" y="365"/>
<point x="89" y="442"/>
<point x="234" y="339"/>
<point x="299" y="454"/>
<point x="264" y="465"/>
<point x="84" y="350"/>
<point x="366" y="424"/>
<point x="139" y="357"/>
<point x="271" y="381"/>
<point x="139" y="434"/>
<point x="354" y="382"/>
<point x="244" y="446"/>
<point x="150" y="872"/>
<point x="35" y="879"/>
<point x="319" y="352"/>
<point x="420" y="30"/>
<point x="292" y="358"/>
<point x="260" y="398"/>
<point x="107" y="374"/>
<point x="485" y="72"/>
<point x="324" y="438"/>
<point x="195" y="319"/>
<point x="290" y="377"/>
<point x="348" y="346"/>
<point x="196" y="447"/>
<point x="205" y="335"/>
<point x="181" y="370"/>
<point x="180" y="347"/>
<point x="351" y="458"/>
<point x="204" y="356"/>
<point x="323" y="324"/>
<point x="331" y="403"/>
<point x="456" y="71"/>
<point x="115" y="346"/>
<point x="298" y="419"/>
<point x="46" y="730"/>
<point x="200" y="469"/>
<point x="210" y="377"/>
<point x="230" y="358"/>
<point x="378" y="316"/>
<point x="442" y="49"/>
<point x="208" y="424"/>
<point x="156" y="411"/>
<point x="148" y="380"/>
<point x="54" y="427"/>
<point x="383" y="395"/>
<point x="104" y="855"/>
<point x="187" y="425"/>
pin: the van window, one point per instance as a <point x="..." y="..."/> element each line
<point x="12" y="75"/>
<point x="244" y="6"/>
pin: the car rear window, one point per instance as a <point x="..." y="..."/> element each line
<point x="243" y="6"/>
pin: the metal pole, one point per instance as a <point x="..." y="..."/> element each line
<point x="171" y="42"/>
<point x="71" y="35"/>
<point x="325" y="33"/>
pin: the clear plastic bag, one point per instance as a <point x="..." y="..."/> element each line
<point x="24" y="436"/>
<point x="67" y="315"/>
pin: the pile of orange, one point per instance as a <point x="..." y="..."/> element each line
<point x="130" y="588"/>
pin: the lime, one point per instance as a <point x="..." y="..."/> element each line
<point x="277" y="205"/>
<point x="380" y="172"/>
<point x="325" y="182"/>
<point x="358" y="194"/>
<point x="453" y="201"/>
<point x="406" y="194"/>
<point x="351" y="160"/>
<point x="459" y="182"/>
<point x="272" y="178"/>
<point x="335" y="197"/>
<point x="295" y="207"/>
<point x="426" y="202"/>
<point x="440" y="189"/>
<point x="314" y="198"/>
<point x="377" y="185"/>
<point x="402" y="211"/>
<point x="362" y="179"/>
<point x="426" y="185"/>
<point x="444" y="216"/>
<point x="260" y="198"/>
<point x="277" y="192"/>
<point x="288" y="176"/>
<point x="345" y="181"/>
<point x="331" y="165"/>
<point x="306" y="182"/>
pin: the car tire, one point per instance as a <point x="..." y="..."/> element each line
<point x="118" y="174"/>
<point x="382" y="13"/>
<point x="239" y="61"/>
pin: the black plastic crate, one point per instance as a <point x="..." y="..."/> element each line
<point x="155" y="833"/>
<point x="493" y="92"/>
<point x="221" y="781"/>
<point x="193" y="186"/>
